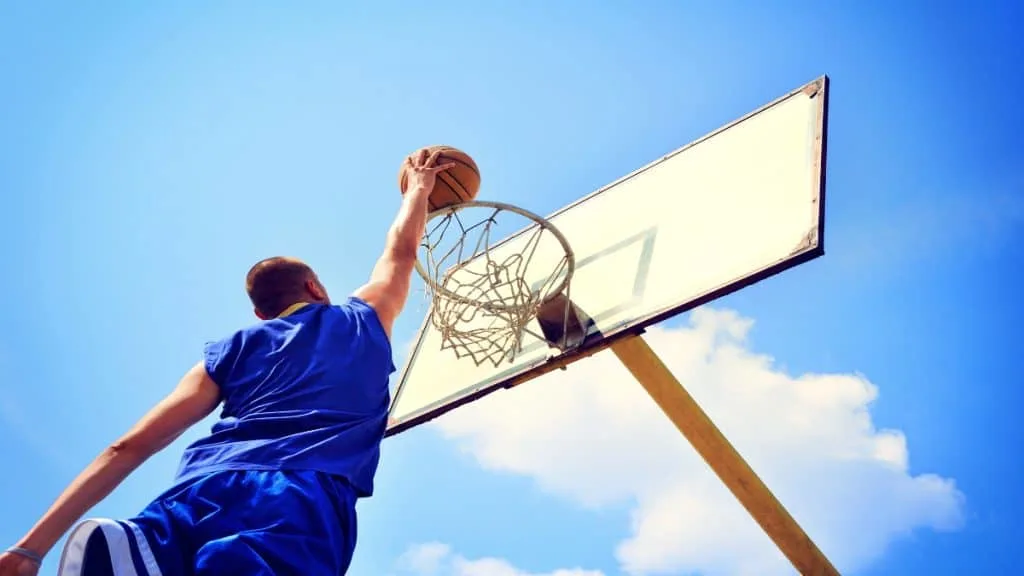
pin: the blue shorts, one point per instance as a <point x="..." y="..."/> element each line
<point x="238" y="522"/>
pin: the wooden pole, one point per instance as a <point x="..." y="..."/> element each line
<point x="668" y="393"/>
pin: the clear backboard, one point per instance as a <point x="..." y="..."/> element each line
<point x="723" y="212"/>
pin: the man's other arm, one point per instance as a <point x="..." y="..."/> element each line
<point x="195" y="397"/>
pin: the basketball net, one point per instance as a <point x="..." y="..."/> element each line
<point x="484" y="292"/>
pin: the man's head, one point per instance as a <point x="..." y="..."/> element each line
<point x="276" y="283"/>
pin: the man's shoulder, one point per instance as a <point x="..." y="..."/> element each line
<point x="357" y="310"/>
<point x="361" y="318"/>
<point x="368" y="316"/>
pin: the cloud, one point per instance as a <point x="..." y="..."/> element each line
<point x="591" y="435"/>
<point x="437" y="559"/>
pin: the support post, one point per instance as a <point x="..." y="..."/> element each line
<point x="669" y="394"/>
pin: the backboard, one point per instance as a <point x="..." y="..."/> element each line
<point x="723" y="212"/>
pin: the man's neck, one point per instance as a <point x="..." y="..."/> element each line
<point x="293" y="309"/>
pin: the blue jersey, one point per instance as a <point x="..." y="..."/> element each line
<point x="305" y="391"/>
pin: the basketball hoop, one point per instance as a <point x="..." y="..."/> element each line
<point x="483" y="295"/>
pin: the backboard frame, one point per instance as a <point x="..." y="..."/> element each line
<point x="812" y="247"/>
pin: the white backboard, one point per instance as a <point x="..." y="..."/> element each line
<point x="732" y="208"/>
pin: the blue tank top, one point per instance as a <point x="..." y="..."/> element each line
<point x="305" y="391"/>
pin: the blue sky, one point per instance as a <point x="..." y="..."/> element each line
<point x="149" y="154"/>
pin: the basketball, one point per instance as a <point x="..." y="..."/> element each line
<point x="455" y="185"/>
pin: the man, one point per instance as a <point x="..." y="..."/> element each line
<point x="272" y="489"/>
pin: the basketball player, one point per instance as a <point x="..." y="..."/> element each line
<point x="272" y="489"/>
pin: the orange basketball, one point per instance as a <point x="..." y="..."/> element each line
<point x="455" y="185"/>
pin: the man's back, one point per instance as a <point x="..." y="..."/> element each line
<point x="272" y="489"/>
<point x="307" y="390"/>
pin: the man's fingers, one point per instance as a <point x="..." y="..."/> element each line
<point x="433" y="159"/>
<point x="420" y="161"/>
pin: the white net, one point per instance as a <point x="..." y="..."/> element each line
<point x="484" y="291"/>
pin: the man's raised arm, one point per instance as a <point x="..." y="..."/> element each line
<point x="388" y="287"/>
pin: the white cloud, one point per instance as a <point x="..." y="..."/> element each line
<point x="590" y="434"/>
<point x="425" y="559"/>
<point x="436" y="559"/>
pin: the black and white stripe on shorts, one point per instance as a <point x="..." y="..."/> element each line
<point x="101" y="547"/>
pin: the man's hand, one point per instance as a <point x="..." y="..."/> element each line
<point x="12" y="564"/>
<point x="422" y="172"/>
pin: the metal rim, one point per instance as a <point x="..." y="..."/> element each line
<point x="570" y="258"/>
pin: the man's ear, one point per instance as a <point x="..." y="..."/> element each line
<point x="316" y="290"/>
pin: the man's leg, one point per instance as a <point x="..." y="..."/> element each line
<point x="270" y="523"/>
<point x="153" y="543"/>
